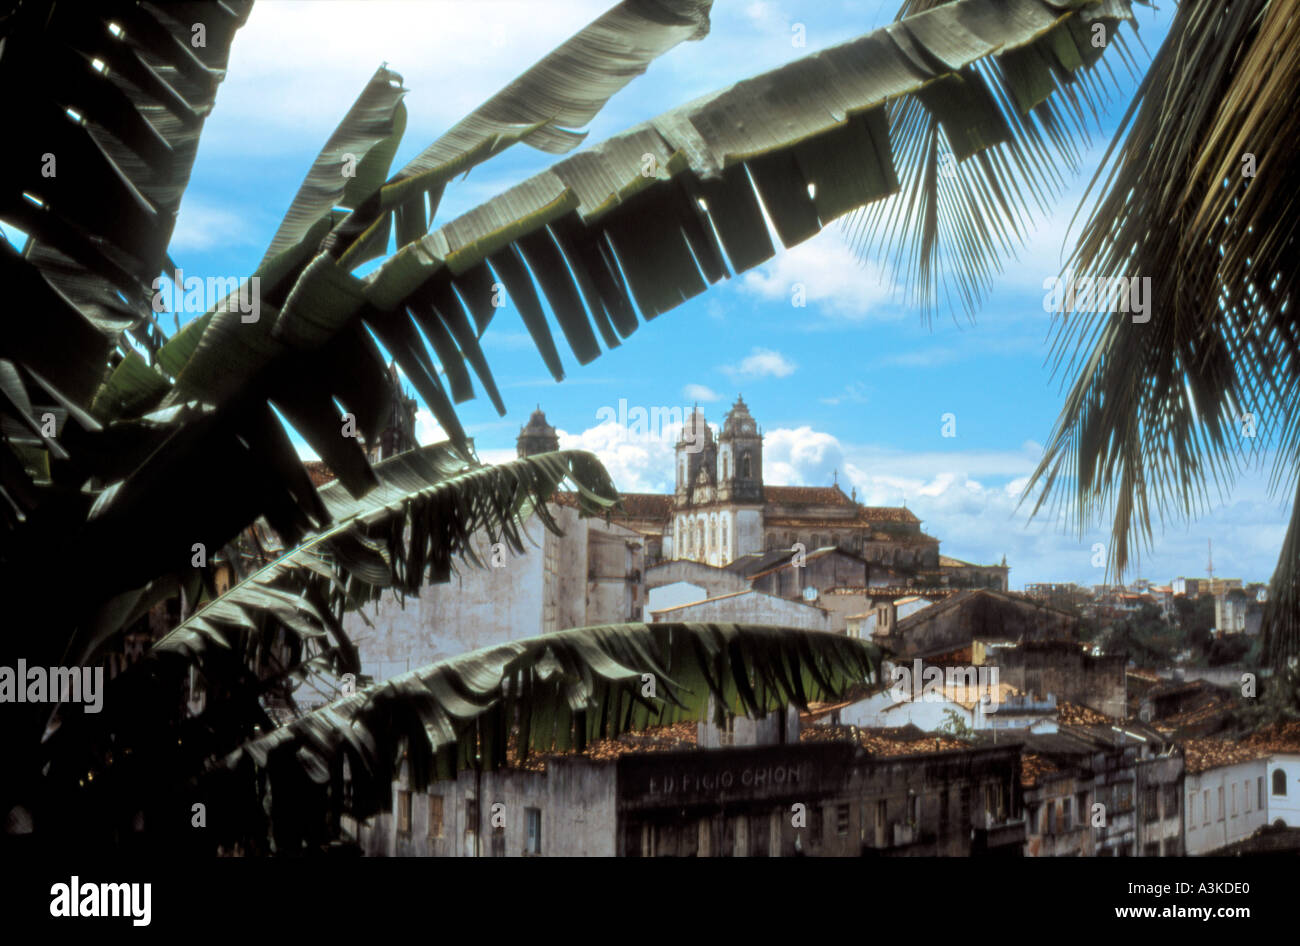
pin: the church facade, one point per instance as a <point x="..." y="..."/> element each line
<point x="721" y="512"/>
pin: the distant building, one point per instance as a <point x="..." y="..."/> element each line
<point x="722" y="510"/>
<point x="657" y="794"/>
<point x="967" y="615"/>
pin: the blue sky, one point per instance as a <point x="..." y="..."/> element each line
<point x="853" y="382"/>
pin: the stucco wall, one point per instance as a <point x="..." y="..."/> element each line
<point x="1226" y="828"/>
<point x="750" y="607"/>
<point x="576" y="799"/>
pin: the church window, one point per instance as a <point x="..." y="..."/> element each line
<point x="724" y="534"/>
<point x="746" y="470"/>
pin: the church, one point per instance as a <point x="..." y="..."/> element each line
<point x="721" y="512"/>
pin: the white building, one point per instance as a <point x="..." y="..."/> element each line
<point x="1228" y="803"/>
<point x="592" y="574"/>
<point x="749" y="607"/>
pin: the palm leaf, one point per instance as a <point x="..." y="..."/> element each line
<point x="428" y="508"/>
<point x="554" y="693"/>
<point x="811" y="140"/>
<point x="1161" y="415"/>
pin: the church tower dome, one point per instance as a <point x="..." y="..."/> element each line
<point x="740" y="456"/>
<point x="537" y="436"/>
<point x="696" y="453"/>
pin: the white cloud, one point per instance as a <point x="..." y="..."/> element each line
<point x="761" y="363"/>
<point x="700" y="392"/>
<point x="970" y="501"/>
<point x="637" y="464"/>
<point x="298" y="66"/>
<point x="853" y="393"/>
<point x="832" y="278"/>
<point x="202" y="225"/>
<point x="800" y="457"/>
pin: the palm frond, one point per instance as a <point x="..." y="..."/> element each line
<point x="642" y="220"/>
<point x="1162" y="414"/>
<point x="554" y="693"/>
<point x="429" y="505"/>
<point x="969" y="190"/>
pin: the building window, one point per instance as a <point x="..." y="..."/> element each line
<point x="746" y="468"/>
<point x="1261" y="793"/>
<point x="1049" y="819"/>
<point x="435" y="816"/>
<point x="1124" y="796"/>
<point x="471" y="815"/>
<point x="1150" y="803"/>
<point x="1245" y="794"/>
<point x="914" y="809"/>
<point x="533" y="820"/>
<point x="1279" y="782"/>
<point x="724" y="534"/>
<point x="403" y="812"/>
<point x="759" y="839"/>
<point x="965" y="807"/>
<point x="1066" y="821"/>
<point x="1171" y="801"/>
<point x="1205" y="806"/>
<point x="1220" y="802"/>
<point x="842" y="820"/>
<point x="1234" y="799"/>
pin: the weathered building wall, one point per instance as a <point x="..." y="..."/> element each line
<point x="1208" y="799"/>
<point x="670" y="596"/>
<point x="740" y="802"/>
<point x="592" y="574"/>
<point x="1058" y="817"/>
<point x="715" y="581"/>
<point x="1160" y="808"/>
<point x="478" y="608"/>
<point x="750" y="607"/>
<point x="1063" y="669"/>
<point x="829" y="570"/>
<point x="575" y="799"/>
<point x="991" y="615"/>
<point x="1283" y="805"/>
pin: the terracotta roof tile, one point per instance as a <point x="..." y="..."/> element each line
<point x="824" y="495"/>
<point x="320" y="474"/>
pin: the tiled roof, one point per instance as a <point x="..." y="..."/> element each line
<point x="823" y="495"/>
<point x="883" y="742"/>
<point x="1076" y="714"/>
<point x="886" y="514"/>
<point x="647" y="505"/>
<point x="320" y="474"/>
<point x="637" y="506"/>
<point x="1202" y="754"/>
<point x="671" y="738"/>
<point x="1033" y="766"/>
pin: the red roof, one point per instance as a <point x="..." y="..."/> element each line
<point x="825" y="495"/>
<point x="320" y="474"/>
